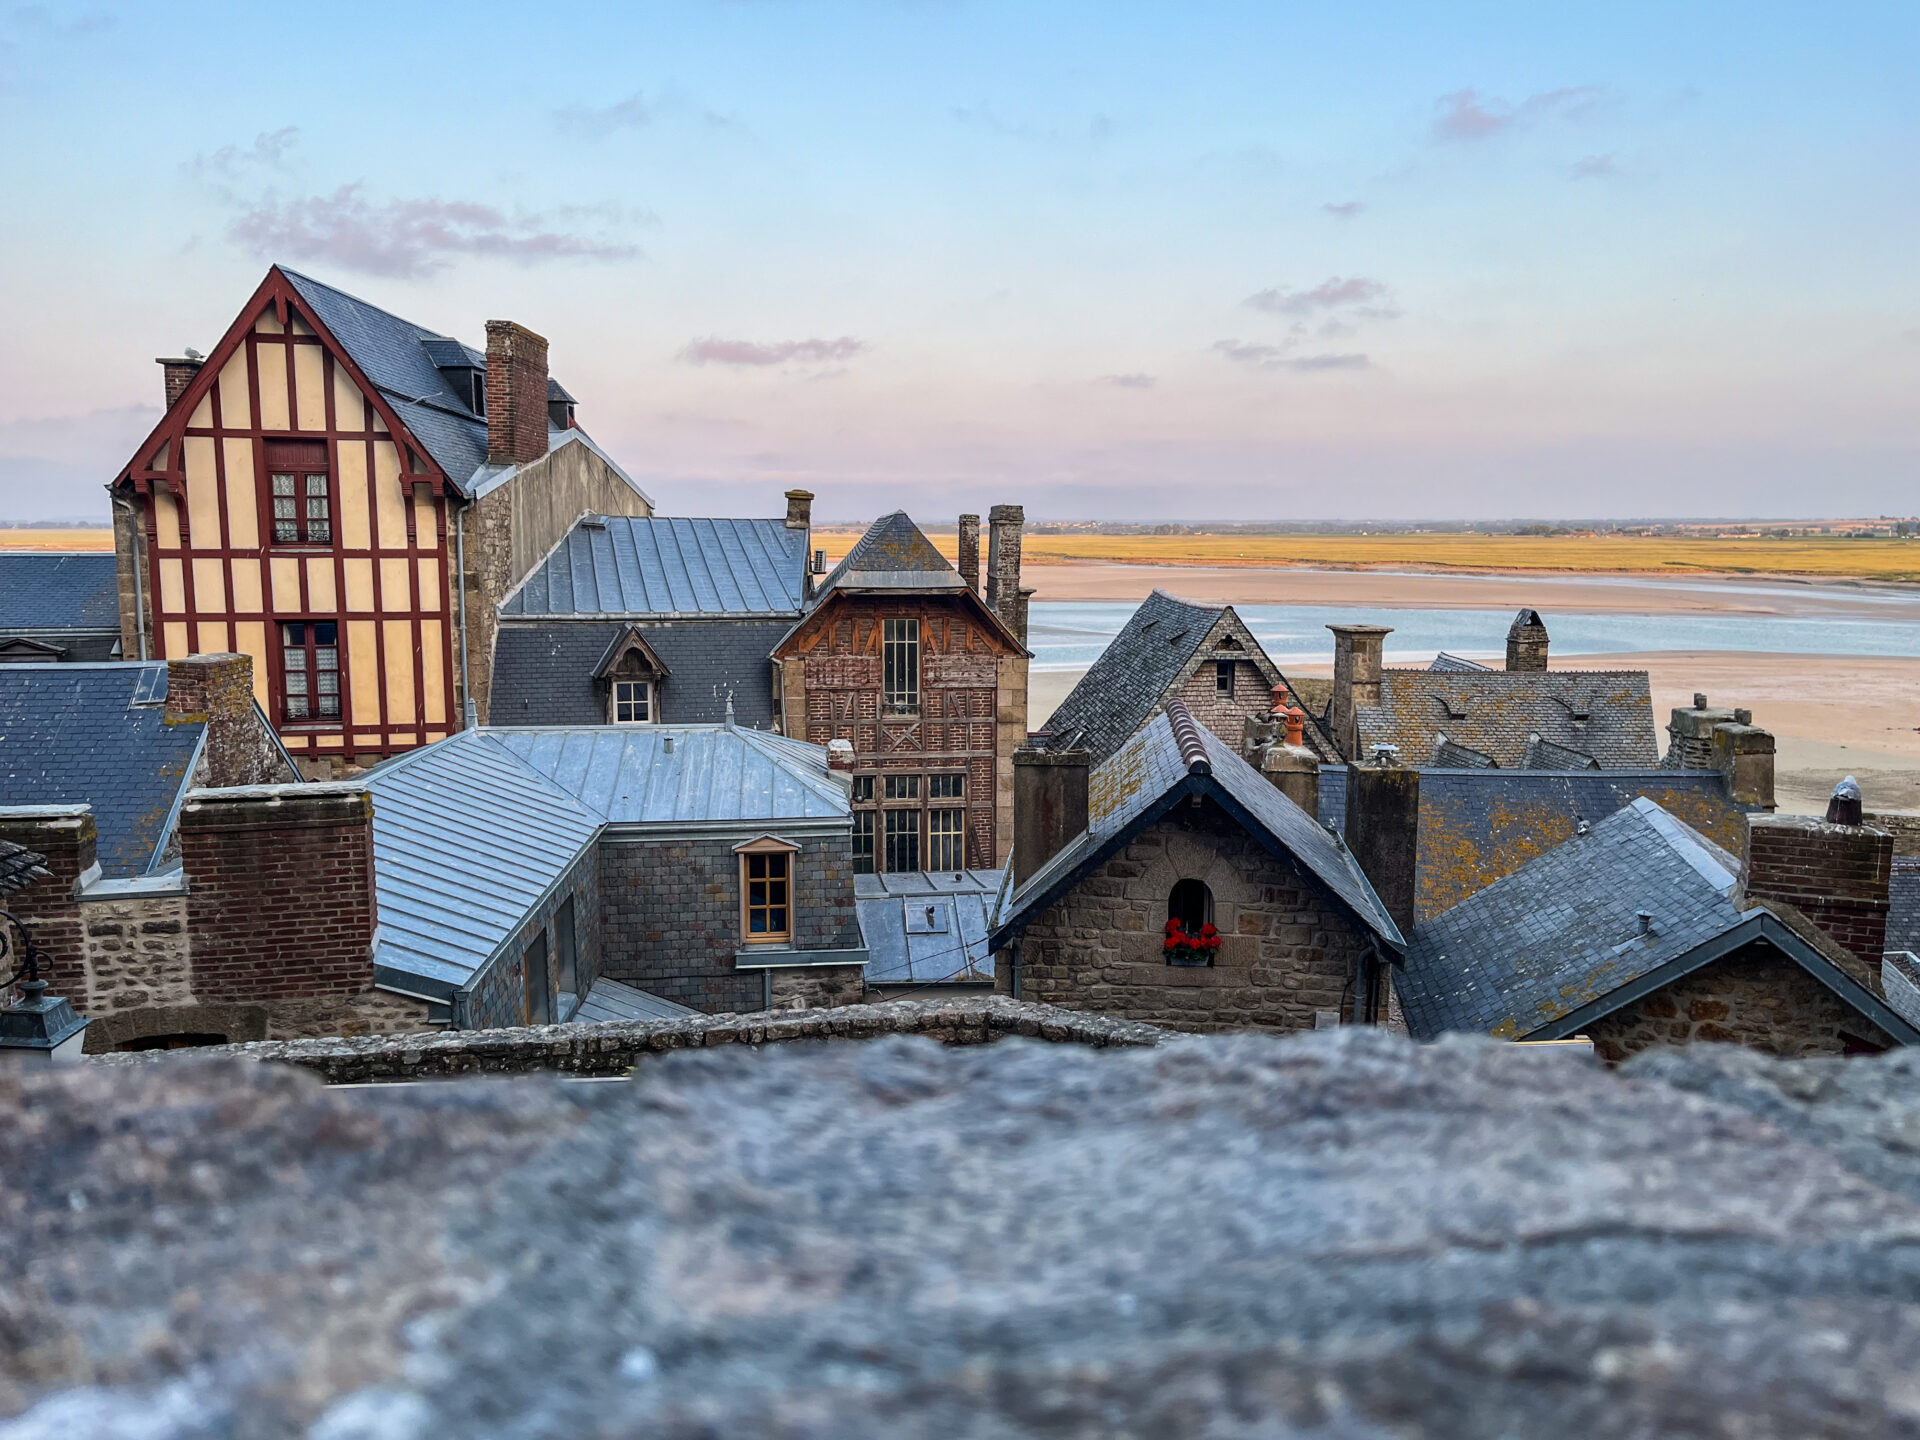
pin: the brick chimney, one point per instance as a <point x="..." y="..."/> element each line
<point x="516" y="394"/>
<point x="1049" y="805"/>
<point x="218" y="690"/>
<point x="1383" y="832"/>
<point x="179" y="371"/>
<point x="1356" y="679"/>
<point x="969" y="566"/>
<point x="280" y="899"/>
<point x="1836" y="874"/>
<point x="1004" y="523"/>
<point x="1527" y="642"/>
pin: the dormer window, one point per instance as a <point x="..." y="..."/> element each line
<point x="478" y="382"/>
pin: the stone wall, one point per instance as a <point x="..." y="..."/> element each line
<point x="1756" y="997"/>
<point x="817" y="987"/>
<point x="615" y="1047"/>
<point x="1288" y="953"/>
<point x="671" y="914"/>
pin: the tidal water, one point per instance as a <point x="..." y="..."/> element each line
<point x="1071" y="635"/>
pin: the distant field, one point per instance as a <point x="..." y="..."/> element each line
<point x="1593" y="554"/>
<point x="56" y="539"/>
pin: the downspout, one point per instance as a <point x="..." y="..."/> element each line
<point x="1015" y="985"/>
<point x="469" y="711"/>
<point x="766" y="989"/>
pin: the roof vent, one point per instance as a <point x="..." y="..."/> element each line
<point x="666" y="743"/>
<point x="593" y="522"/>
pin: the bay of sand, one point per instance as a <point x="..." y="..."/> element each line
<point x="1831" y="716"/>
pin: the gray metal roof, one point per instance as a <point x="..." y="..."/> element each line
<point x="928" y="928"/>
<point x="610" y="999"/>
<point x="1563" y="930"/>
<point x="711" y="775"/>
<point x="97" y="734"/>
<point x="1460" y="663"/>
<point x="1149" y="774"/>
<point x="630" y="567"/>
<point x="470" y="832"/>
<point x="43" y="592"/>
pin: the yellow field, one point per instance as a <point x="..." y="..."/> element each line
<point x="56" y="539"/>
<point x="1594" y="554"/>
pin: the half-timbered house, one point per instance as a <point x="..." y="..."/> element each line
<point x="346" y="496"/>
<point x="900" y="655"/>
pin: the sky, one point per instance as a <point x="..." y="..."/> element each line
<point x="1210" y="261"/>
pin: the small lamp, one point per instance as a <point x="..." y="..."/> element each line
<point x="40" y="1029"/>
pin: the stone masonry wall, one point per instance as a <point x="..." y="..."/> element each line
<point x="1288" y="952"/>
<point x="671" y="914"/>
<point x="615" y="1047"/>
<point x="818" y="987"/>
<point x="1756" y="997"/>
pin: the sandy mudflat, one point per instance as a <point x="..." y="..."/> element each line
<point x="1830" y="717"/>
<point x="1593" y="594"/>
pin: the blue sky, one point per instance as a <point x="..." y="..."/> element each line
<point x="1158" y="262"/>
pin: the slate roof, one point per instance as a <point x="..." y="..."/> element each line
<point x="1903" y="919"/>
<point x="470" y="832"/>
<point x="1477" y="825"/>
<point x="928" y="929"/>
<point x="543" y="670"/>
<point x="892" y="555"/>
<point x="1152" y="772"/>
<point x="1607" y="714"/>
<point x="42" y="592"/>
<point x="404" y="361"/>
<point x="95" y="734"/>
<point x="668" y="567"/>
<point x="1145" y="663"/>
<point x="1560" y="942"/>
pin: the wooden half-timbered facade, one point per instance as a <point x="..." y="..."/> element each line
<point x="900" y="656"/>
<point x="311" y="493"/>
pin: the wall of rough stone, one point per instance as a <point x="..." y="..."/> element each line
<point x="817" y="987"/>
<point x="1756" y="997"/>
<point x="615" y="1047"/>
<point x="137" y="955"/>
<point x="670" y="914"/>
<point x="1288" y="952"/>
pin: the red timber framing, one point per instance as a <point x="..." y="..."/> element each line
<point x="215" y="578"/>
<point x="954" y="730"/>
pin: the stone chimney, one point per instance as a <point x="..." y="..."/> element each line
<point x="1004" y="523"/>
<point x="1690" y="735"/>
<point x="969" y="566"/>
<point x="1527" y="642"/>
<point x="280" y="898"/>
<point x="799" y="509"/>
<point x="179" y="372"/>
<point x="1383" y="832"/>
<point x="1356" y="679"/>
<point x="516" y="394"/>
<point x="1049" y="805"/>
<point x="1836" y="873"/>
<point x="1743" y="752"/>
<point x="217" y="690"/>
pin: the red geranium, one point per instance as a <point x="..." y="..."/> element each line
<point x="1178" y="939"/>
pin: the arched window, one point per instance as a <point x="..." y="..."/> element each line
<point x="1190" y="936"/>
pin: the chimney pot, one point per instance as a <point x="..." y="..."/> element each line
<point x="1843" y="806"/>
<point x="1699" y="700"/>
<point x="517" y="415"/>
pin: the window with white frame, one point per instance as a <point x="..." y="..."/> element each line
<point x="633" y="702"/>
<point x="900" y="654"/>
